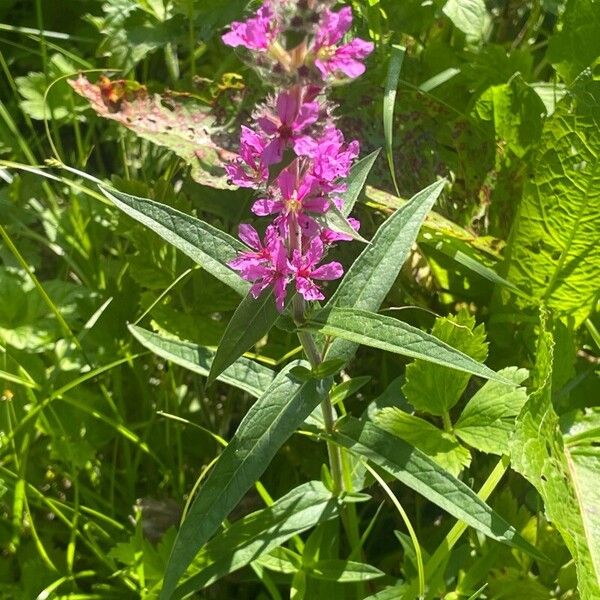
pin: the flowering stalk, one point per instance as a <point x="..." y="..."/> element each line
<point x="295" y="157"/>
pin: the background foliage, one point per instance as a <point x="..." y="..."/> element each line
<point x="106" y="427"/>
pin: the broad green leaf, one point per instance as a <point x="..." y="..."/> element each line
<point x="488" y="419"/>
<point x="387" y="333"/>
<point x="441" y="446"/>
<point x="389" y="101"/>
<point x="434" y="389"/>
<point x="553" y="253"/>
<point x="373" y="273"/>
<point x="356" y="181"/>
<point x="515" y="110"/>
<point x="538" y="453"/>
<point x="257" y="534"/>
<point x="244" y="374"/>
<point x="422" y="474"/>
<point x="251" y="321"/>
<point x="470" y="16"/>
<point x="575" y="44"/>
<point x="203" y="243"/>
<point x="343" y="571"/>
<point x="271" y="420"/>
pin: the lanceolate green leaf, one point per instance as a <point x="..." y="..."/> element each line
<point x="373" y="273"/>
<point x="425" y="476"/>
<point x="244" y="374"/>
<point x="344" y="571"/>
<point x="554" y="247"/>
<point x="268" y="424"/>
<point x="258" y="534"/>
<point x="392" y="335"/>
<point x="336" y="220"/>
<point x="356" y="181"/>
<point x="203" y="243"/>
<point x="251" y="321"/>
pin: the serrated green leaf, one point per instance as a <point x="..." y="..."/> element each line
<point x="268" y="424"/>
<point x="373" y="273"/>
<point x="434" y="389"/>
<point x="488" y="419"/>
<point x="470" y="16"/>
<point x="538" y="453"/>
<point x="356" y="181"/>
<point x="343" y="571"/>
<point x="257" y="534"/>
<point x="252" y="320"/>
<point x="554" y="250"/>
<point x="422" y="474"/>
<point x="243" y="374"/>
<point x="392" y="335"/>
<point x="203" y="243"/>
<point x="441" y="446"/>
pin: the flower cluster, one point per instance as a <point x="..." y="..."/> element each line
<point x="292" y="153"/>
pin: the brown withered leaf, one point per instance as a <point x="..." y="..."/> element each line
<point x="185" y="127"/>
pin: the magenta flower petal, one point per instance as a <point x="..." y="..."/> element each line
<point x="256" y="33"/>
<point x="307" y="115"/>
<point x="333" y="26"/>
<point x="266" y="206"/>
<point x="249" y="236"/>
<point x="308" y="289"/>
<point x="273" y="153"/>
<point x="317" y="205"/>
<point x="328" y="271"/>
<point x="287" y="108"/>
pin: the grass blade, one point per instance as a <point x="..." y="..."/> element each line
<point x="389" y="101"/>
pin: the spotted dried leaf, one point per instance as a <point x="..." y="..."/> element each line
<point x="186" y="128"/>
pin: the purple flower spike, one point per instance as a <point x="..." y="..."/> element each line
<point x="257" y="33"/>
<point x="298" y="193"/>
<point x="304" y="271"/>
<point x="346" y="59"/>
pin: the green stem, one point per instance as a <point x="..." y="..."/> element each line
<point x="447" y="422"/>
<point x="333" y="451"/>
